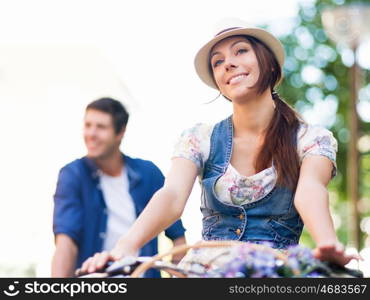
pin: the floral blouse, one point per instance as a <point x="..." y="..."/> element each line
<point x="235" y="188"/>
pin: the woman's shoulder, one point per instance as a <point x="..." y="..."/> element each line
<point x="309" y="132"/>
<point x="316" y="139"/>
<point x="199" y="129"/>
<point x="193" y="144"/>
<point x="199" y="133"/>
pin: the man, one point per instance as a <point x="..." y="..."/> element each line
<point x="99" y="196"/>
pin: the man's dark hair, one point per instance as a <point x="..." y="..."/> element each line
<point x="114" y="108"/>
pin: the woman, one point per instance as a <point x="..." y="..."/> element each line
<point x="263" y="171"/>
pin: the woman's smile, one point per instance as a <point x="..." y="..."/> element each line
<point x="237" y="78"/>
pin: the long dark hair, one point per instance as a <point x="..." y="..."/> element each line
<point x="280" y="142"/>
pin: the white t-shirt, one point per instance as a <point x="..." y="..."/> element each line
<point x="120" y="207"/>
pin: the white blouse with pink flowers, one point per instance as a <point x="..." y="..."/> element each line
<point x="234" y="188"/>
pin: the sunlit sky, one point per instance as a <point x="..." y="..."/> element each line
<point x="57" y="56"/>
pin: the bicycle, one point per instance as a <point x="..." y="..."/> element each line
<point x="236" y="259"/>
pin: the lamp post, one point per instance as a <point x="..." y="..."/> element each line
<point x="349" y="26"/>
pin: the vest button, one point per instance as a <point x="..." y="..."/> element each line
<point x="238" y="231"/>
<point x="241" y="217"/>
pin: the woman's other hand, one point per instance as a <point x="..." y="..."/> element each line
<point x="334" y="252"/>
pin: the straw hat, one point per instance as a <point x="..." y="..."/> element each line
<point x="201" y="61"/>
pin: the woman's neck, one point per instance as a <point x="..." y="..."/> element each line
<point x="252" y="116"/>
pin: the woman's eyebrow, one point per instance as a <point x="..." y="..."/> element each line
<point x="232" y="45"/>
<point x="213" y="54"/>
<point x="238" y="41"/>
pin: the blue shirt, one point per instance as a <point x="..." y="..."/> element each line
<point x="80" y="210"/>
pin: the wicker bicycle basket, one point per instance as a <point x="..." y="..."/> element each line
<point x="204" y="245"/>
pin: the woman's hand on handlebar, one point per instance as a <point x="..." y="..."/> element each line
<point x="334" y="252"/>
<point x="101" y="259"/>
<point x="96" y="262"/>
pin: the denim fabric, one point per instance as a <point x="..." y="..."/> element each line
<point x="271" y="219"/>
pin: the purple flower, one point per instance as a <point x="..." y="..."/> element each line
<point x="247" y="261"/>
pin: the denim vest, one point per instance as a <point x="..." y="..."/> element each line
<point x="271" y="219"/>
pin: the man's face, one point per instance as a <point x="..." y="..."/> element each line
<point x="100" y="137"/>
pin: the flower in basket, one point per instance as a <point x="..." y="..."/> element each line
<point x="256" y="261"/>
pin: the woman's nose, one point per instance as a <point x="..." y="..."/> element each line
<point x="230" y="64"/>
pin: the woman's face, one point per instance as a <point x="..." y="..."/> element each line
<point x="235" y="67"/>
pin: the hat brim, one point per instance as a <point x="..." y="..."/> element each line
<point x="201" y="60"/>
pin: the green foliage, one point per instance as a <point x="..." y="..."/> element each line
<point x="307" y="46"/>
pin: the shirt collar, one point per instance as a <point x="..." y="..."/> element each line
<point x="133" y="176"/>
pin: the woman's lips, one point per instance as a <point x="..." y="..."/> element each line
<point x="237" y="78"/>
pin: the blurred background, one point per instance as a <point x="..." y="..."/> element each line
<point x="57" y="56"/>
